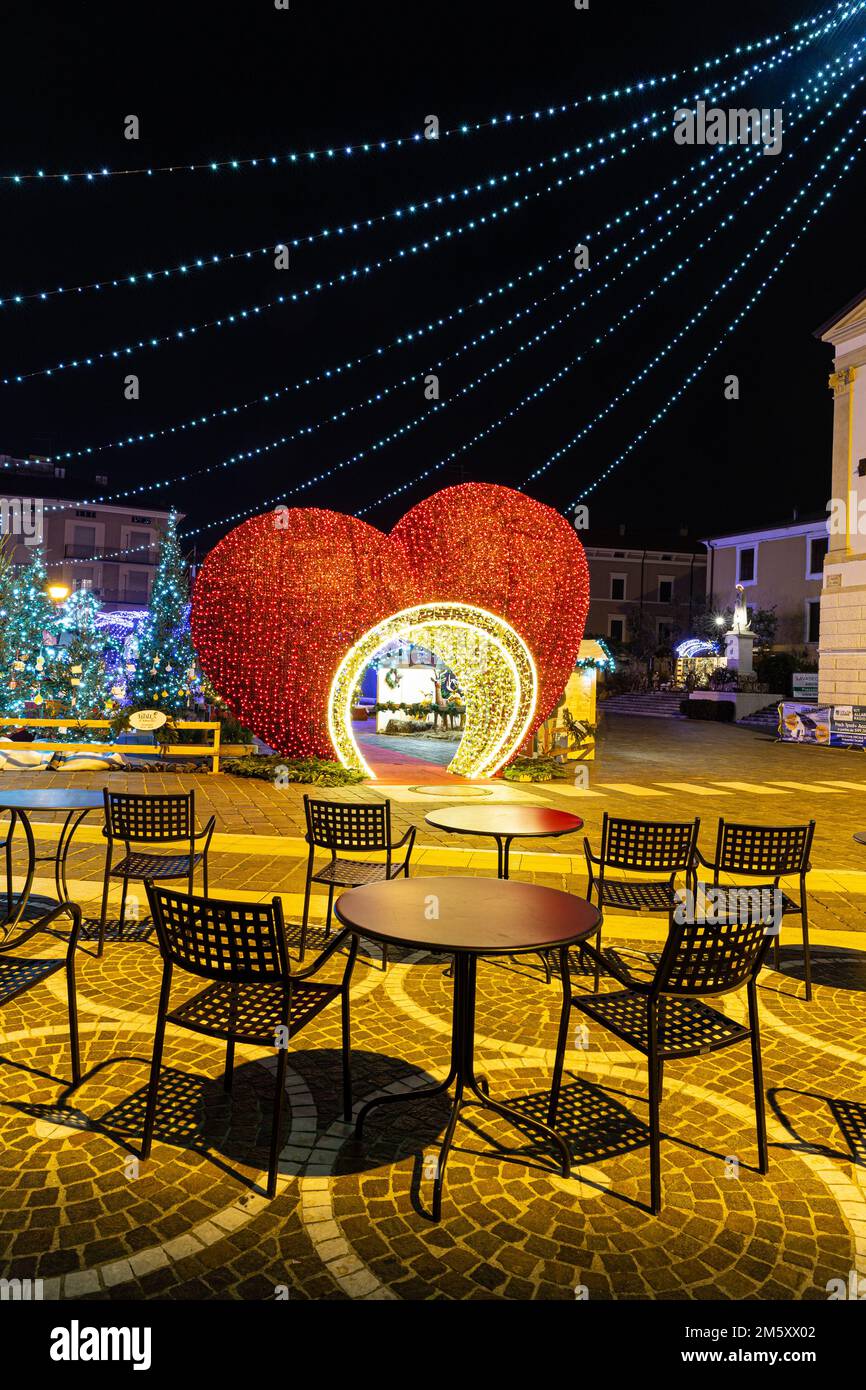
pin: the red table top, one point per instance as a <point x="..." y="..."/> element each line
<point x="504" y="820"/>
<point x="481" y="916"/>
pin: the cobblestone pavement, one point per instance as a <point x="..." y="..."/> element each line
<point x="352" y="1220"/>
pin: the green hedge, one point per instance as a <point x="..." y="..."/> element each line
<point x="315" y="772"/>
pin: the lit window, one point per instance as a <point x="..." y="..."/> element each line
<point x="746" y="567"/>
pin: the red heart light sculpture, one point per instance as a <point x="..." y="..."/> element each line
<point x="280" y="600"/>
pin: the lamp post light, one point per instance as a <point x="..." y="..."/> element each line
<point x="58" y="593"/>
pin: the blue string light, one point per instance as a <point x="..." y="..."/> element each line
<point x="615" y="400"/>
<point x="729" y="329"/>
<point x="357" y="273"/>
<point x="408" y="337"/>
<point x="402" y="430"/>
<point x="690" y="201"/>
<point x="558" y="376"/>
<point x="144" y="278"/>
<point x="693" y="204"/>
<point x="838" y="14"/>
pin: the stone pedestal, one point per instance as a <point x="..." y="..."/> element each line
<point x="738" y="652"/>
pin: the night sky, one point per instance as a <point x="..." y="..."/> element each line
<point x="218" y="81"/>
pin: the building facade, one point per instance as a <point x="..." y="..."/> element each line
<point x="637" y="585"/>
<point x="112" y="549"/>
<point x="842" y="655"/>
<point x="780" y="567"/>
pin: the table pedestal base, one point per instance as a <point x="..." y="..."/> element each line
<point x="468" y="1089"/>
<point x="15" y="908"/>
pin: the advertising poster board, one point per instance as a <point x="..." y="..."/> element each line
<point x="840" y="726"/>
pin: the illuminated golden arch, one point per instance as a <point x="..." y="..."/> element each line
<point x="491" y="662"/>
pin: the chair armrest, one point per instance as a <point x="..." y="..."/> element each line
<point x="587" y="849"/>
<point x="72" y="908"/>
<point x="637" y="986"/>
<point x="699" y="859"/>
<point x="329" y="950"/>
<point x="207" y="831"/>
<point x="42" y="925"/>
<point x="410" y="836"/>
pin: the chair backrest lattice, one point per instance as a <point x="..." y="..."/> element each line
<point x="348" y="825"/>
<point x="150" y="819"/>
<point x="763" y="849"/>
<point x="713" y="957"/>
<point x="648" y="846"/>
<point x="240" y="942"/>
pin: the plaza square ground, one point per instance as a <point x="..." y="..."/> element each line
<point x="351" y="1220"/>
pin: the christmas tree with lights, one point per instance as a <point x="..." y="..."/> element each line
<point x="165" y="667"/>
<point x="32" y="668"/>
<point x="84" y="646"/>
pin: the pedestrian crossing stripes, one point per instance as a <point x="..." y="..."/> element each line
<point x="630" y="789"/>
<point x="817" y="787"/>
<point x="692" y="789"/>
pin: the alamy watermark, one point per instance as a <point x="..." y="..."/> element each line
<point x="737" y="126"/>
<point x="21" y="1290"/>
<point x="717" y="906"/>
<point x="22" y="516"/>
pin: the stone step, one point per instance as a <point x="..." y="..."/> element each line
<point x="656" y="704"/>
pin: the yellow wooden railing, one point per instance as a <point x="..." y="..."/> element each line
<point x="192" y="750"/>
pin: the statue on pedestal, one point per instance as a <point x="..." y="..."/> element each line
<point x="741" y="613"/>
<point x="740" y="639"/>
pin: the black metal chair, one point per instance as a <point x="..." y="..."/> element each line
<point x="762" y="852"/>
<point x="660" y="1012"/>
<point x="644" y="847"/>
<point x="242" y="949"/>
<point x="350" y="827"/>
<point x="20" y="973"/>
<point x="142" y="819"/>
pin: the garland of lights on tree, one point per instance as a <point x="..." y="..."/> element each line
<point x="75" y="659"/>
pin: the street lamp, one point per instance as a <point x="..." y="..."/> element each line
<point x="58" y="592"/>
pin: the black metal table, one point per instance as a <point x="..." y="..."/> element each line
<point x="467" y="918"/>
<point x="76" y="803"/>
<point x="504" y="824"/>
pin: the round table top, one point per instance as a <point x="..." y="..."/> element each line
<point x="50" y="799"/>
<point x="480" y="916"/>
<point x="504" y="820"/>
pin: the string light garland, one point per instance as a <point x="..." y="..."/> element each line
<point x="407" y="338"/>
<point x="419" y="331"/>
<point x="483" y="220"/>
<point x="615" y="400"/>
<point x="838" y="14"/>
<point x="701" y="312"/>
<point x="410" y="209"/>
<point x="734" y="323"/>
<point x="402" y="430"/>
<point x="492" y="666"/>
<point x="603" y="663"/>
<point x="281" y="600"/>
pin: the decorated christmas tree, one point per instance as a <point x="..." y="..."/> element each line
<point x="165" y="668"/>
<point x="32" y="669"/>
<point x="84" y="644"/>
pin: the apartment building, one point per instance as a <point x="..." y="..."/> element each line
<point x="643" y="584"/>
<point x="112" y="548"/>
<point x="779" y="567"/>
